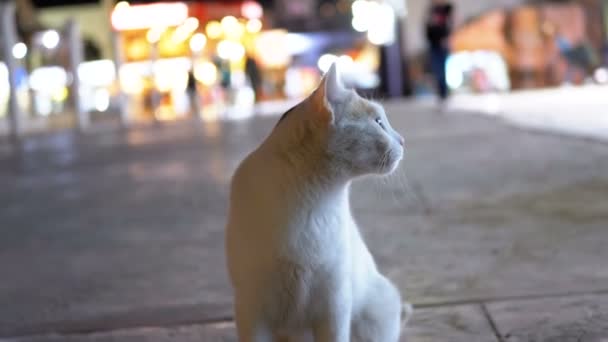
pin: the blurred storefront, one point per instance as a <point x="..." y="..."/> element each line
<point x="173" y="51"/>
<point x="531" y="46"/>
<point x="234" y="53"/>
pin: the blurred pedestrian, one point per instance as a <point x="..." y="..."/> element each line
<point x="438" y="30"/>
<point x="253" y="73"/>
<point x="191" y="89"/>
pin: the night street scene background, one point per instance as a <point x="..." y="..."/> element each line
<point x="122" y="123"/>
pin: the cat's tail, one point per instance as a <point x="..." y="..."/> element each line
<point x="407" y="310"/>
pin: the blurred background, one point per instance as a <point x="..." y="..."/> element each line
<point x="98" y="63"/>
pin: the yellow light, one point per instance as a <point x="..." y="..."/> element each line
<point x="198" y="42"/>
<point x="254" y="25"/>
<point x="270" y="48"/>
<point x="130" y="80"/>
<point x="229" y="21"/>
<point x="213" y="29"/>
<point x="60" y="94"/>
<point x="183" y="31"/>
<point x="233" y="29"/>
<point x="206" y="73"/>
<point x="121" y="5"/>
<point x="167" y="80"/>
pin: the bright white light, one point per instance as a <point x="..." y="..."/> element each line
<point x="360" y="23"/>
<point x="326" y="61"/>
<point x="601" y="75"/>
<point x="170" y="77"/>
<point x="50" y="39"/>
<point x="453" y="76"/>
<point x="131" y="80"/>
<point x="254" y="25"/>
<point x="121" y="5"/>
<point x="154" y="34"/>
<point x="252" y="10"/>
<point x="147" y="16"/>
<point x="233" y="51"/>
<point x="382" y="30"/>
<point x="4" y="85"/>
<point x="361" y="8"/>
<point x="206" y="73"/>
<point x="213" y="29"/>
<point x="190" y="24"/>
<point x="298" y="43"/>
<point x="346" y="62"/>
<point x="228" y="22"/>
<point x="48" y="79"/>
<point x="98" y="73"/>
<point x="19" y="50"/>
<point x="102" y="100"/>
<point x="198" y="42"/>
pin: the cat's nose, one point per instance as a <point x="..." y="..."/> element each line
<point x="401" y="140"/>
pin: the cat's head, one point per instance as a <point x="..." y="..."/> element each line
<point x="353" y="132"/>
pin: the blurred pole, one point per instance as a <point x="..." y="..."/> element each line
<point x="391" y="68"/>
<point x="195" y="99"/>
<point x="9" y="39"/>
<point x="155" y="95"/>
<point x="76" y="52"/>
<point x="117" y="58"/>
<point x="121" y="97"/>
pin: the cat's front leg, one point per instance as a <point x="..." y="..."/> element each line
<point x="334" y="323"/>
<point x="250" y="325"/>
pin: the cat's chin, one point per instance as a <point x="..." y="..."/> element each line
<point x="389" y="168"/>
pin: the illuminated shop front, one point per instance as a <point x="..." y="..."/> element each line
<point x="527" y="47"/>
<point x="170" y="48"/>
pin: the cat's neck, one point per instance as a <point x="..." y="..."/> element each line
<point x="305" y="173"/>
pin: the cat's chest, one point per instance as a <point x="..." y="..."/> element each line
<point x="317" y="237"/>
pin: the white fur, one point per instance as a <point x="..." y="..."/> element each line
<point x="297" y="262"/>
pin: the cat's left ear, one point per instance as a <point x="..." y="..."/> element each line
<point x="330" y="94"/>
<point x="335" y="92"/>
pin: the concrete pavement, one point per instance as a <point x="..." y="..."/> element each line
<point x="494" y="233"/>
<point x="580" y="111"/>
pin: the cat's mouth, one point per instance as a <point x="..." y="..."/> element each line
<point x="390" y="160"/>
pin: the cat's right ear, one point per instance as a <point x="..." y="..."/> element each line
<point x="329" y="94"/>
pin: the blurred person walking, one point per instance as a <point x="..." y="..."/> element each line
<point x="253" y="74"/>
<point x="438" y="30"/>
<point x="193" y="97"/>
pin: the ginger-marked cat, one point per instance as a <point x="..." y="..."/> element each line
<point x="298" y="265"/>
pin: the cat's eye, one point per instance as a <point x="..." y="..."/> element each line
<point x="380" y="122"/>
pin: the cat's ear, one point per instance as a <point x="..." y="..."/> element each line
<point x="334" y="89"/>
<point x="329" y="94"/>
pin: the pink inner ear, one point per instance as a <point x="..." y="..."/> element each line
<point x="320" y="108"/>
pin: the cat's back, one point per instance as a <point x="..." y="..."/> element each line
<point x="254" y="190"/>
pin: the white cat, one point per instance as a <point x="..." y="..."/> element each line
<point x="296" y="259"/>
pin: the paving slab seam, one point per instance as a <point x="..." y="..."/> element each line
<point x="474" y="301"/>
<point x="491" y="322"/>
